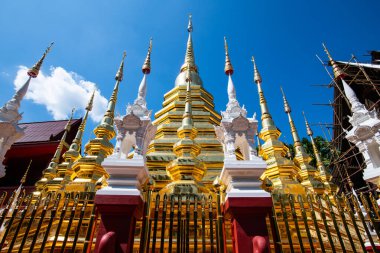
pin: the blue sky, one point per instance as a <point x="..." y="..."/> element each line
<point x="284" y="37"/>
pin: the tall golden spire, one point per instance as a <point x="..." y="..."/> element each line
<point x="189" y="56"/>
<point x="323" y="172"/>
<point x="58" y="152"/>
<point x="146" y="65"/>
<point x="296" y="138"/>
<point x="106" y="125"/>
<point x="308" y="173"/>
<point x="77" y="142"/>
<point x="86" y="171"/>
<point x="23" y="179"/>
<point x="64" y="174"/>
<point x="228" y="69"/>
<point x="33" y="72"/>
<point x="266" y="118"/>
<point x="51" y="171"/>
<point x="338" y="72"/>
<point x="280" y="171"/>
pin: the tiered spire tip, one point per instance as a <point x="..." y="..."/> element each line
<point x="33" y="72"/>
<point x="338" y="72"/>
<point x="190" y="24"/>
<point x="293" y="129"/>
<point x="228" y="69"/>
<point x="266" y="118"/>
<point x="58" y="152"/>
<point x="189" y="57"/>
<point x="286" y="103"/>
<point x="76" y="144"/>
<point x="90" y="102"/>
<point x="146" y="66"/>
<point x="108" y="118"/>
<point x="23" y="179"/>
<point x="308" y="129"/>
<point x="256" y="76"/>
<point x="120" y="72"/>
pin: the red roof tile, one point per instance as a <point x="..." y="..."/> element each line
<point x="43" y="131"/>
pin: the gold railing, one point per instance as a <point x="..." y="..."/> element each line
<point x="182" y="223"/>
<point x="54" y="223"/>
<point x="315" y="223"/>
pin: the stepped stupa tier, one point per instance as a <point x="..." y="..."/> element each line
<point x="169" y="119"/>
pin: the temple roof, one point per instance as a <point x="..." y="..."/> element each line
<point x="44" y="131"/>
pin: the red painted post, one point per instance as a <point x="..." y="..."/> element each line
<point x="249" y="230"/>
<point x="118" y="218"/>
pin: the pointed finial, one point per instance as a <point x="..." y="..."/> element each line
<point x="293" y="129"/>
<point x="338" y="72"/>
<point x="189" y="57"/>
<point x="146" y="65"/>
<point x="58" y="151"/>
<point x="91" y="102"/>
<point x="33" y="72"/>
<point x="119" y="74"/>
<point x="108" y="118"/>
<point x="67" y="127"/>
<point x="256" y="75"/>
<point x="23" y="179"/>
<point x="308" y="129"/>
<point x="286" y="104"/>
<point x="266" y="118"/>
<point x="327" y="52"/>
<point x="323" y="172"/>
<point x="190" y="25"/>
<point x="77" y="142"/>
<point x="228" y="69"/>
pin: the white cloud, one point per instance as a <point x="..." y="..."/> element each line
<point x="59" y="91"/>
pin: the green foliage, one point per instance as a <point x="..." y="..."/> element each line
<point x="323" y="147"/>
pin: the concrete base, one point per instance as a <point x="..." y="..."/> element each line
<point x="242" y="177"/>
<point x="125" y="173"/>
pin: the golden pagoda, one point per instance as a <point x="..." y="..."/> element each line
<point x="191" y="182"/>
<point x="169" y="119"/>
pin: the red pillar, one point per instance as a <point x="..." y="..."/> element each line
<point x="118" y="218"/>
<point x="249" y="230"/>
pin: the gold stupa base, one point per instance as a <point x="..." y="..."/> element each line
<point x="185" y="187"/>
